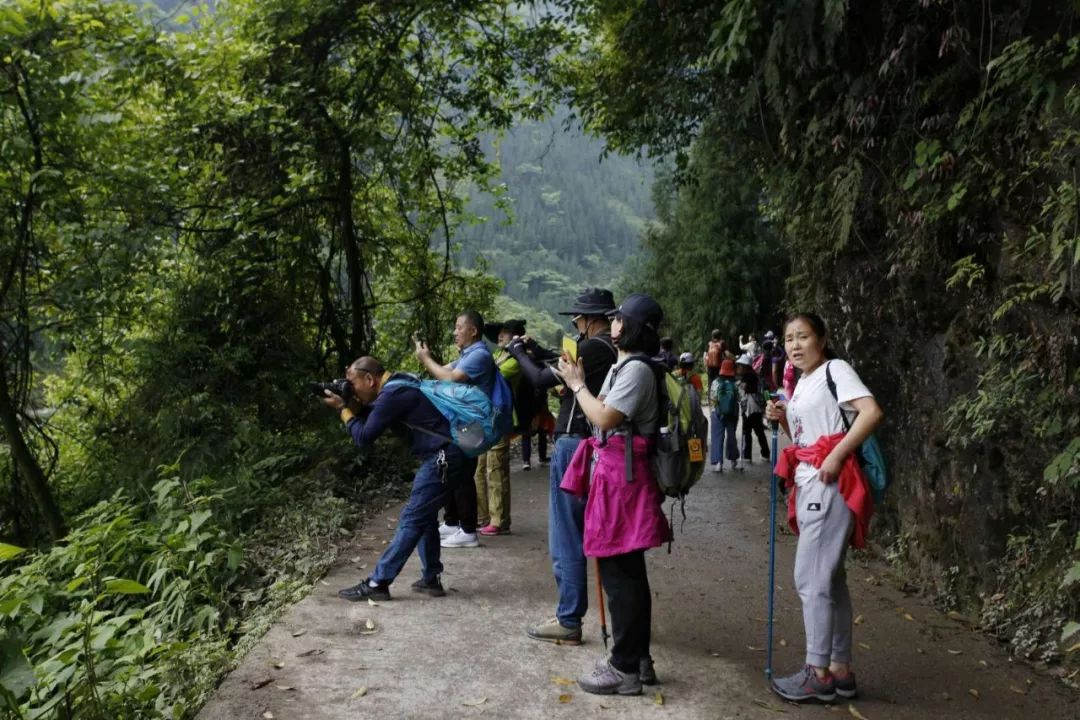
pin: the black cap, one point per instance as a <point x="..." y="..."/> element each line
<point x="641" y="308"/>
<point x="514" y="327"/>
<point x="592" y="301"/>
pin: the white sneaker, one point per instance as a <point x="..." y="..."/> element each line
<point x="460" y="539"/>
<point x="447" y="530"/>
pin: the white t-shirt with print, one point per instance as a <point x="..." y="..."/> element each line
<point x="812" y="412"/>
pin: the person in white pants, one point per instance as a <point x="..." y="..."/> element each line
<point x="831" y="502"/>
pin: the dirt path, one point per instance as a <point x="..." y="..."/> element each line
<point x="467" y="655"/>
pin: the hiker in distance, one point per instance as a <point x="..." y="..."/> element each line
<point x="401" y="408"/>
<point x="830" y="507"/>
<point x="623" y="513"/>
<point x="475" y="366"/>
<point x="566" y="513"/>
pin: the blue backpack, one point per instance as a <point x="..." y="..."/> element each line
<point x="477" y="422"/>
<point x="870" y="455"/>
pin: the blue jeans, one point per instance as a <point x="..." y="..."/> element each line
<point x="566" y="538"/>
<point x="418" y="526"/>
<point x="722" y="438"/>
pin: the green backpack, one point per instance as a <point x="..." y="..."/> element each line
<point x="682" y="441"/>
<point x="725" y="397"/>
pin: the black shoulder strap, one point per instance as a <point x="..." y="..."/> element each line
<point x="610" y="345"/>
<point x="832" y="389"/>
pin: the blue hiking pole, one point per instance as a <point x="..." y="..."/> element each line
<point x="772" y="546"/>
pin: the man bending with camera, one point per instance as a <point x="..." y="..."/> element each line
<point x="402" y="408"/>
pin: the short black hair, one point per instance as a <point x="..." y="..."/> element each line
<point x="475" y="319"/>
<point x="638" y="337"/>
<point x="667" y="343"/>
<point x="715" y="334"/>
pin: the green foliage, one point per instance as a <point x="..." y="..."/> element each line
<point x="713" y="228"/>
<point x="130" y="615"/>
<point x="201" y="214"/>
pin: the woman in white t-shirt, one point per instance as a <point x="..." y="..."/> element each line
<point x="830" y="504"/>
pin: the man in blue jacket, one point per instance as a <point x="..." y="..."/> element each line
<point x="404" y="410"/>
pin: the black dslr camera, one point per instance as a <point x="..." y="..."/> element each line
<point x="342" y="388"/>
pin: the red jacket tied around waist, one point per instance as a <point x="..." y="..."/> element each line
<point x="620" y="516"/>
<point x="852" y="483"/>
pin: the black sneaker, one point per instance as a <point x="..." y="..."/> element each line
<point x="365" y="590"/>
<point x="433" y="588"/>
<point x="647" y="672"/>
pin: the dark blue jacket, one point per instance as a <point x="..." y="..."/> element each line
<point x="395" y="409"/>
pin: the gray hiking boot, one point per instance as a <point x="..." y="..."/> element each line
<point x="606" y="680"/>
<point x="553" y="631"/>
<point x="647" y="672"/>
<point x="805" y="685"/>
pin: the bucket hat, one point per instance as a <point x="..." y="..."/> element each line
<point x="592" y="301"/>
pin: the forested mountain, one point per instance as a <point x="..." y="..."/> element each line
<point x="568" y="216"/>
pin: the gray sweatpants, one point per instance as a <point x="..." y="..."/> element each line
<point x="825" y="523"/>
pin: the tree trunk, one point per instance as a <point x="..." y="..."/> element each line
<point x="27" y="464"/>
<point x="354" y="259"/>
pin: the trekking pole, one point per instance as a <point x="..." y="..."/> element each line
<point x="775" y="425"/>
<point x="600" y="602"/>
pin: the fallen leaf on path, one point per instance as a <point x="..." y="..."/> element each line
<point x="920" y="651"/>
<point x="261" y="683"/>
<point x="659" y="699"/>
<point x="751" y="647"/>
<point x="767" y="706"/>
<point x="298" y="633"/>
<point x="864" y="646"/>
<point x="956" y="652"/>
<point x="284" y="687"/>
<point x="783" y="643"/>
<point x="562" y="681"/>
<point x="855" y="712"/>
<point x="277" y="664"/>
<point x="974" y="693"/>
<point x="959" y="618"/>
<point x="475" y="703"/>
<point x="360" y="692"/>
<point x="908" y="616"/>
<point x="324" y="582"/>
<point x="859" y="620"/>
<point x="268" y="715"/>
<point x="312" y="651"/>
<point x="1017" y="690"/>
<point x="565" y="698"/>
<point x="984" y="663"/>
<point x="370" y="624"/>
<point x="715" y="654"/>
<point x="372" y="603"/>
